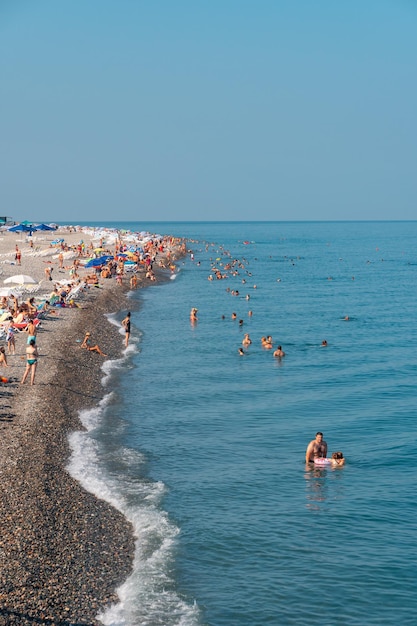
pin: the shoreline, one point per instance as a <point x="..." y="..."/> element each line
<point x="63" y="551"/>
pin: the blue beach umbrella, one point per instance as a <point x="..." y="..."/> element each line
<point x="20" y="228"/>
<point x="43" y="227"/>
<point x="97" y="262"/>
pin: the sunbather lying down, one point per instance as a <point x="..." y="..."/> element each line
<point x="87" y="344"/>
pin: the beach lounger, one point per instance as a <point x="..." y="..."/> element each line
<point x="23" y="325"/>
<point x="76" y="291"/>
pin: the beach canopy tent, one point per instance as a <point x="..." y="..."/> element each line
<point x="20" y="228"/>
<point x="28" y="227"/>
<point x="21" y="279"/>
<point x="102" y="260"/>
<point x="43" y="227"/>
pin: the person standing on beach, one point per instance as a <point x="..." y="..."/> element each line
<point x="31" y="331"/>
<point x="317" y="448"/>
<point x="126" y="326"/>
<point x="11" y="342"/>
<point x="31" y="362"/>
<point x="15" y="305"/>
<point x="48" y="272"/>
<point x="18" y="256"/>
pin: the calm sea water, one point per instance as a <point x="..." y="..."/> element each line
<point x="203" y="450"/>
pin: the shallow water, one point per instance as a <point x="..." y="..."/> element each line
<point x="204" y="450"/>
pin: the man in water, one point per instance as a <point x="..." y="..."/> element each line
<point x="316" y="448"/>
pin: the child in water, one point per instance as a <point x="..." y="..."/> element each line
<point x="337" y="460"/>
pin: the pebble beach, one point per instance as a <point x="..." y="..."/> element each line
<point x="63" y="552"/>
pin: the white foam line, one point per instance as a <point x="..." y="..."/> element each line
<point x="148" y="595"/>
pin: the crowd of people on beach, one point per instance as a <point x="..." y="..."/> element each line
<point x="126" y="258"/>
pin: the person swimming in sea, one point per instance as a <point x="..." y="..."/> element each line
<point x="279" y="352"/>
<point x="267" y="342"/>
<point x="246" y="340"/>
<point x="336" y="460"/>
<point x="317" y="448"/>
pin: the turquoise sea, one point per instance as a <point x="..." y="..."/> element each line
<point x="203" y="449"/>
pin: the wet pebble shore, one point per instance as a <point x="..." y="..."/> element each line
<point x="63" y="552"/>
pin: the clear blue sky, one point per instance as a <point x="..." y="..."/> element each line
<point x="217" y="109"/>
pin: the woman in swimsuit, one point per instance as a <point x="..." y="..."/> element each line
<point x="31" y="362"/>
<point x="31" y="308"/>
<point x="87" y="344"/>
<point x="11" y="343"/>
<point x="246" y="340"/>
<point x="126" y="325"/>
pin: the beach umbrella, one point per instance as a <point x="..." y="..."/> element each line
<point x="43" y="227"/>
<point x="20" y="228"/>
<point x="21" y="279"/>
<point x="97" y="262"/>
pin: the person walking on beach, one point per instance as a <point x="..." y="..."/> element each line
<point x="11" y="342"/>
<point x="126" y="326"/>
<point x="87" y="344"/>
<point x="31" y="362"/>
<point x="317" y="448"/>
